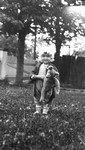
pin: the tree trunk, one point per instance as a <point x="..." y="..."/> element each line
<point x="57" y="43"/>
<point x="57" y="54"/>
<point x="20" y="58"/>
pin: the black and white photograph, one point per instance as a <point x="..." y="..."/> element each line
<point x="42" y="74"/>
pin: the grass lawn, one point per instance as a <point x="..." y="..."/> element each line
<point x="63" y="129"/>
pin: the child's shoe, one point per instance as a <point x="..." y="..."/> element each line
<point x="38" y="110"/>
<point x="45" y="110"/>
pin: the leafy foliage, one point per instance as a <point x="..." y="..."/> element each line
<point x="62" y="20"/>
<point x="18" y="15"/>
<point x="10" y="42"/>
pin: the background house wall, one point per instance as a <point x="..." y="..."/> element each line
<point x="8" y="65"/>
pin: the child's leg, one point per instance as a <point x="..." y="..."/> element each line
<point x="37" y="106"/>
<point x="45" y="109"/>
<point x="57" y="86"/>
<point x="48" y="104"/>
<point x="42" y="98"/>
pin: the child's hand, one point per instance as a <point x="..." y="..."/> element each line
<point x="33" y="76"/>
<point x="37" y="76"/>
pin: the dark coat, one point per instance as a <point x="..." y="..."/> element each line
<point x="37" y="93"/>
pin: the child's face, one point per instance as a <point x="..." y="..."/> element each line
<point x="45" y="59"/>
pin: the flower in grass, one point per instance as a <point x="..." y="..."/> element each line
<point x="30" y="136"/>
<point x="50" y="130"/>
<point x="24" y="119"/>
<point x="28" y="108"/>
<point x="42" y="134"/>
<point x="4" y="142"/>
<point x="20" y="108"/>
<point x="61" y="133"/>
<point x="72" y="105"/>
<point x="84" y="107"/>
<point x="57" y="119"/>
<point x="65" y="106"/>
<point x="8" y="120"/>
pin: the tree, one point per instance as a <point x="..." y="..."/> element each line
<point x="60" y="24"/>
<point x="10" y="42"/>
<point x="17" y="17"/>
<point x="69" y="2"/>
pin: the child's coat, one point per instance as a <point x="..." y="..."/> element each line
<point x="38" y="84"/>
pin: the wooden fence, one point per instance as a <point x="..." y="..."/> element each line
<point x="72" y="71"/>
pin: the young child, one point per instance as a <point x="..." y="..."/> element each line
<point x="37" y="76"/>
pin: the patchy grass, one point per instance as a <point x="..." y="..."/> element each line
<point x="64" y="129"/>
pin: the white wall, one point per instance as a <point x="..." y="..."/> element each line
<point x="3" y="61"/>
